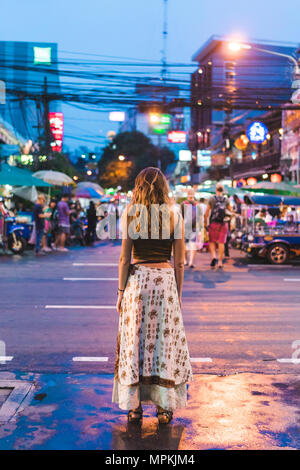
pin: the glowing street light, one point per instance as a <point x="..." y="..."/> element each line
<point x="237" y="46"/>
<point x="121" y="158"/>
<point x="154" y="118"/>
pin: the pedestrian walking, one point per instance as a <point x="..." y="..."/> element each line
<point x="63" y="214"/>
<point x="217" y="210"/>
<point x="39" y="221"/>
<point x="152" y="362"/>
<point x="52" y="231"/>
<point x="193" y="220"/>
<point x="92" y="222"/>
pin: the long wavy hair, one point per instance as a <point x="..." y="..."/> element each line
<point x="151" y="188"/>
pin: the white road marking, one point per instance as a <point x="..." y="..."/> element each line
<point x="90" y="279"/>
<point x="289" y="360"/>
<point x="82" y="306"/>
<point x="95" y="264"/>
<point x="201" y="359"/>
<point x="90" y="359"/>
<point x="3" y="359"/>
<point x="290" y="279"/>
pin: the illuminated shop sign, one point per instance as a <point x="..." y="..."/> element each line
<point x="177" y="137"/>
<point x="57" y="128"/>
<point x="159" y="123"/>
<point x="42" y="55"/>
<point x="204" y="158"/>
<point x="117" y="116"/>
<point x="257" y="132"/>
<point x="185" y="155"/>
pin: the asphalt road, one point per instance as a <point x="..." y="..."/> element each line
<point x="58" y="327"/>
<point x="58" y="315"/>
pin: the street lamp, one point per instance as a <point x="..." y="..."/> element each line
<point x="237" y="46"/>
<point x="121" y="158"/>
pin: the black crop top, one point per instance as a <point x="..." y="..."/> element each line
<point x="149" y="249"/>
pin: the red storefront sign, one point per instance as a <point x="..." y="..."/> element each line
<point x="56" y="121"/>
<point x="177" y="137"/>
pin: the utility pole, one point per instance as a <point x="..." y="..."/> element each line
<point x="46" y="124"/>
<point x="163" y="66"/>
<point x="159" y="150"/>
<point x="227" y="138"/>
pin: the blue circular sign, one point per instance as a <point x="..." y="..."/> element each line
<point x="257" y="132"/>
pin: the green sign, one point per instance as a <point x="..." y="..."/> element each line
<point x="159" y="123"/>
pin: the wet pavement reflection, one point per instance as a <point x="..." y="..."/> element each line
<point x="240" y="411"/>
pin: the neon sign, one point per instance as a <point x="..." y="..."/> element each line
<point x="159" y="123"/>
<point x="177" y="137"/>
<point x="56" y="121"/>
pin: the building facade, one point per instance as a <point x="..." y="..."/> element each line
<point x="28" y="77"/>
<point x="230" y="89"/>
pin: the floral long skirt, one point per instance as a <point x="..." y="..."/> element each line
<point x="152" y="360"/>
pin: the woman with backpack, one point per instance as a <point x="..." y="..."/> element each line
<point x="217" y="209"/>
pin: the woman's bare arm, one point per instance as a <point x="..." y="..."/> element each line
<point x="124" y="261"/>
<point x="179" y="260"/>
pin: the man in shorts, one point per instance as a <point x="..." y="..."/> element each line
<point x="63" y="223"/>
<point x="217" y="209"/>
<point x="193" y="222"/>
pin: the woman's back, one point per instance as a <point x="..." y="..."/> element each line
<point x="150" y="249"/>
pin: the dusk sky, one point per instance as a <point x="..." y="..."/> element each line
<point x="133" y="29"/>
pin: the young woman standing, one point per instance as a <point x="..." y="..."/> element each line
<point x="152" y="362"/>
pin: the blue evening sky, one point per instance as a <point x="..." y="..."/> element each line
<point x="132" y="28"/>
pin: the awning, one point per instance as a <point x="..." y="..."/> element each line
<point x="15" y="176"/>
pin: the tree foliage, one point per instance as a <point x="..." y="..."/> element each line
<point x="139" y="153"/>
<point x="58" y="162"/>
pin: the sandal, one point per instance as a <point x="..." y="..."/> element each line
<point x="164" y="416"/>
<point x="135" y="416"/>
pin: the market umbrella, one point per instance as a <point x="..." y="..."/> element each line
<point x="15" y="176"/>
<point x="26" y="192"/>
<point x="54" y="177"/>
<point x="89" y="184"/>
<point x="280" y="189"/>
<point x="87" y="193"/>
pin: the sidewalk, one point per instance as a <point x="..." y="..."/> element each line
<point x="240" y="411"/>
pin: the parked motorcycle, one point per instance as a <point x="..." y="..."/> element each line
<point x="11" y="235"/>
